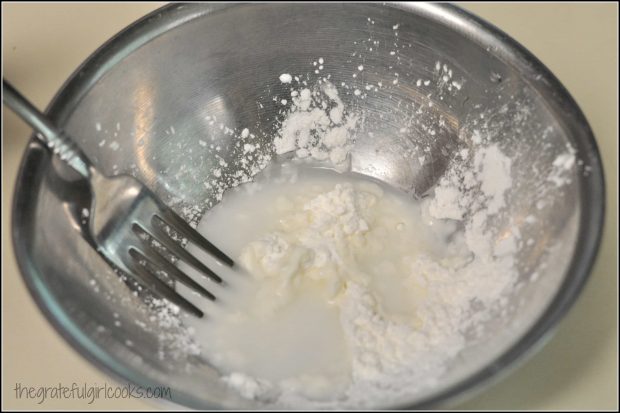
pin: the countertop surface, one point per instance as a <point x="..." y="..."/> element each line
<point x="44" y="43"/>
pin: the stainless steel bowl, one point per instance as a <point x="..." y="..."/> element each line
<point x="184" y="62"/>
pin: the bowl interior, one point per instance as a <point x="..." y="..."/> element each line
<point x="146" y="103"/>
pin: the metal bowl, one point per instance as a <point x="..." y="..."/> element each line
<point x="185" y="62"/>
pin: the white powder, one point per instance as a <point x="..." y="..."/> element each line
<point x="175" y="340"/>
<point x="456" y="191"/>
<point x="561" y="168"/>
<point x="249" y="387"/>
<point x="249" y="148"/>
<point x="317" y="126"/>
<point x="445" y="204"/>
<point x="286" y="78"/>
<point x="493" y="168"/>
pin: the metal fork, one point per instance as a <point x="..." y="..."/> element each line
<point x="122" y="211"/>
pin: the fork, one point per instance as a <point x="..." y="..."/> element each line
<point x="122" y="211"/>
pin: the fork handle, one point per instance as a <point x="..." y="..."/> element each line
<point x="56" y="140"/>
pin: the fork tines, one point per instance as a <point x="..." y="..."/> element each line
<point x="151" y="257"/>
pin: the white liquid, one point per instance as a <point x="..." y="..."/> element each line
<point x="285" y="327"/>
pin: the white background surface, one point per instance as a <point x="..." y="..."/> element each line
<point x="44" y="43"/>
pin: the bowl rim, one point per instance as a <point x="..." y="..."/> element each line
<point x="592" y="189"/>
